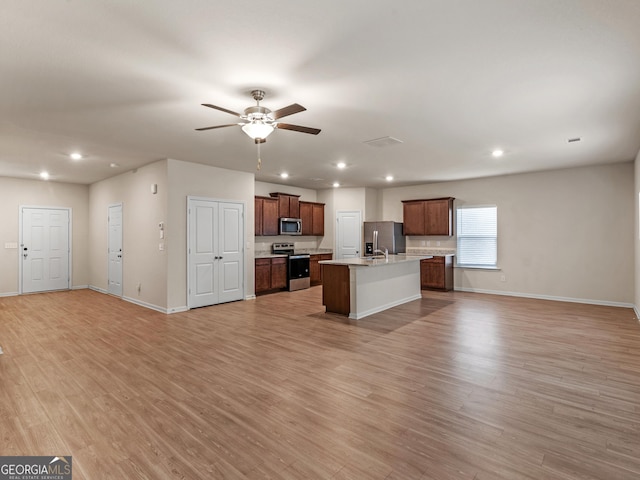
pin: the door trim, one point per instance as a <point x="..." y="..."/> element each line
<point x="121" y="205"/>
<point x="336" y="251"/>
<point x="21" y="241"/>
<point x="191" y="198"/>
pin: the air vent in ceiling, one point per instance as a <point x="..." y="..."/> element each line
<point x="574" y="139"/>
<point x="383" y="142"/>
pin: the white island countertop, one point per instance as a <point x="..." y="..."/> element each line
<point x="376" y="261"/>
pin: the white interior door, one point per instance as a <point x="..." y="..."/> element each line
<point x="115" y="250"/>
<point x="45" y="249"/>
<point x="203" y="265"/>
<point x="348" y="234"/>
<point x="215" y="253"/>
<point x="230" y="251"/>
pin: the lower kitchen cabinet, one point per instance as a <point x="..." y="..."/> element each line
<point x="437" y="273"/>
<point x="315" y="269"/>
<point x="271" y="274"/>
<point x="278" y="272"/>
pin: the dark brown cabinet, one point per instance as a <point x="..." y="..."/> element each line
<point x="266" y="216"/>
<point x="288" y="205"/>
<point x="312" y="216"/>
<point x="263" y="274"/>
<point x="428" y="217"/>
<point x="437" y="273"/>
<point x="278" y="273"/>
<point x="271" y="274"/>
<point x="315" y="269"/>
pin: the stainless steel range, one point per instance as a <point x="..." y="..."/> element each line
<point x="297" y="266"/>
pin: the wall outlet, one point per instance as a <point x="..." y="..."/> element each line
<point x="161" y="246"/>
<point x="437" y="243"/>
<point x="428" y="243"/>
<point x="503" y="278"/>
<point x="422" y="243"/>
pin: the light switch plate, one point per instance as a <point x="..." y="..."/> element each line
<point x="11" y="245"/>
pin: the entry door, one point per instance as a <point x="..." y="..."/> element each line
<point x="348" y="234"/>
<point x="115" y="250"/>
<point x="215" y="253"/>
<point x="44" y="249"/>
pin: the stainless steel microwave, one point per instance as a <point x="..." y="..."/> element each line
<point x="290" y="226"/>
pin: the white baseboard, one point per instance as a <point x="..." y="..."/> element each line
<point x="145" y="304"/>
<point x="97" y="289"/>
<point x="9" y="294"/>
<point x="178" y="309"/>
<point x="381" y="308"/>
<point x="79" y="287"/>
<point x="548" y="297"/>
<point x="635" y="310"/>
<point x="250" y="297"/>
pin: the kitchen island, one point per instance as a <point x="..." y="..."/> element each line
<point x="359" y="287"/>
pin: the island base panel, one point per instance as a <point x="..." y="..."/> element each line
<point x="335" y="289"/>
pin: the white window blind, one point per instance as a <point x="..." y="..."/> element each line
<point x="477" y="229"/>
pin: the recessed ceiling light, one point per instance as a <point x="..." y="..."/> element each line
<point x="497" y="153"/>
<point x="388" y="178"/>
<point x="342" y="165"/>
<point x="336" y="184"/>
<point x="114" y="165"/>
<point x="284" y="175"/>
<point x="44" y="175"/>
<point x="76" y="156"/>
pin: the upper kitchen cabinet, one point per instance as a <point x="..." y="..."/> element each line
<point x="288" y="205"/>
<point x="312" y="216"/>
<point x="266" y="216"/>
<point x="428" y="217"/>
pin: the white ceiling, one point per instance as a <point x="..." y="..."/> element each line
<point x="122" y="82"/>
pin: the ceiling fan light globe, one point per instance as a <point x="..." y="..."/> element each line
<point x="257" y="130"/>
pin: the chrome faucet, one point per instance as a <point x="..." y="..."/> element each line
<point x="376" y="249"/>
<point x="386" y="253"/>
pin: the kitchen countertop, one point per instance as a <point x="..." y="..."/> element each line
<point x="376" y="262"/>
<point x="310" y="251"/>
<point x="433" y="251"/>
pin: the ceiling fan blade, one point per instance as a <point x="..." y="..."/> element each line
<point x="298" y="128"/>
<point x="221" y="109"/>
<point x="219" y="126"/>
<point x="290" y="110"/>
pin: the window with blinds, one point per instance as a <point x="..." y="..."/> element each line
<point x="477" y="230"/>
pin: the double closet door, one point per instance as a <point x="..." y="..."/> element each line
<point x="215" y="251"/>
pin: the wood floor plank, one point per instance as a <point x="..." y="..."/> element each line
<point x="452" y="386"/>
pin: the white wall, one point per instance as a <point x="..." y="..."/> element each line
<point x="217" y="183"/>
<point x="16" y="192"/>
<point x="636" y="234"/>
<point x="563" y="234"/>
<point x="143" y="263"/>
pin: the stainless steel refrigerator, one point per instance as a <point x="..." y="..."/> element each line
<point x="388" y="235"/>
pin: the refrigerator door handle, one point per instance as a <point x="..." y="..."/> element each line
<point x="375" y="241"/>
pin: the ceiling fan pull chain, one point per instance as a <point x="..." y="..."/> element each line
<point x="259" y="159"/>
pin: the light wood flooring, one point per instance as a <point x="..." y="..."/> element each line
<point x="453" y="386"/>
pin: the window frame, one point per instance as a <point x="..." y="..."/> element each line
<point x="473" y="265"/>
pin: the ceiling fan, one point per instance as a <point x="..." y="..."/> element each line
<point x="258" y="121"/>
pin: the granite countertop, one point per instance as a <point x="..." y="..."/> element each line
<point x="376" y="261"/>
<point x="310" y="251"/>
<point x="269" y="255"/>
<point x="433" y="251"/>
